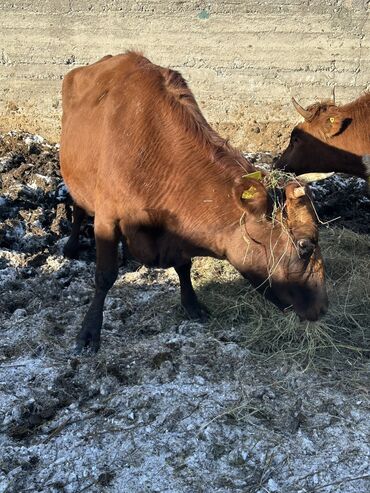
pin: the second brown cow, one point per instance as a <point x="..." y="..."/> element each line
<point x="331" y="138"/>
<point x="137" y="154"/>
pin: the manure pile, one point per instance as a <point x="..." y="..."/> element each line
<point x="252" y="401"/>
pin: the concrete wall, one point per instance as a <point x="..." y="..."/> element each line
<point x="243" y="59"/>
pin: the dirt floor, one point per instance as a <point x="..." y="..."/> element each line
<point x="250" y="401"/>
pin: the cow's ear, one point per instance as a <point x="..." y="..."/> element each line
<point x="251" y="196"/>
<point x="334" y="123"/>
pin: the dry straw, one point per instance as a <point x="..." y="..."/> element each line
<point x="343" y="335"/>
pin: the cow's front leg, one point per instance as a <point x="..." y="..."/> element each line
<point x="193" y="308"/>
<point x="106" y="238"/>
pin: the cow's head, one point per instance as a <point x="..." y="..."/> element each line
<point x="276" y="246"/>
<point x="318" y="143"/>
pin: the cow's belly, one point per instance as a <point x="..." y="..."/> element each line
<point x="156" y="250"/>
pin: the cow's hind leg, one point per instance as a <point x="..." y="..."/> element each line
<point x="189" y="300"/>
<point x="71" y="248"/>
<point x="125" y="252"/>
<point x="106" y="237"/>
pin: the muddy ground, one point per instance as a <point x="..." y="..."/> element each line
<point x="170" y="405"/>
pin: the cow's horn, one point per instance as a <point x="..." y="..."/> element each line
<point x="309" y="177"/>
<point x="299" y="192"/>
<point x="307" y="115"/>
<point x="333" y="94"/>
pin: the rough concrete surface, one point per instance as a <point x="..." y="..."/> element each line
<point x="243" y="59"/>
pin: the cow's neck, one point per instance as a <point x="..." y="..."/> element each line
<point x="208" y="214"/>
<point x="351" y="163"/>
<point x="202" y="180"/>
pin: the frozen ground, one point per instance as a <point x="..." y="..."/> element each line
<point x="167" y="405"/>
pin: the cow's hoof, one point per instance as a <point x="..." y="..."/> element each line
<point x="71" y="253"/>
<point x="197" y="311"/>
<point x="71" y="250"/>
<point x="88" y="339"/>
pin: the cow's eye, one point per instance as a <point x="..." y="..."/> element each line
<point x="305" y="247"/>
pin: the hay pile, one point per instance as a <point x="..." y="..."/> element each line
<point x="341" y="336"/>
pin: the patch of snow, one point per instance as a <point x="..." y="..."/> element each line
<point x="6" y="275"/>
<point x="62" y="192"/>
<point x="34" y="139"/>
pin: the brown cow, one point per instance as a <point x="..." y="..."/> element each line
<point x="332" y="138"/>
<point x="137" y="154"/>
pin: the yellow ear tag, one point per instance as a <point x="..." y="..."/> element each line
<point x="249" y="193"/>
<point x="255" y="175"/>
<point x="332" y="119"/>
